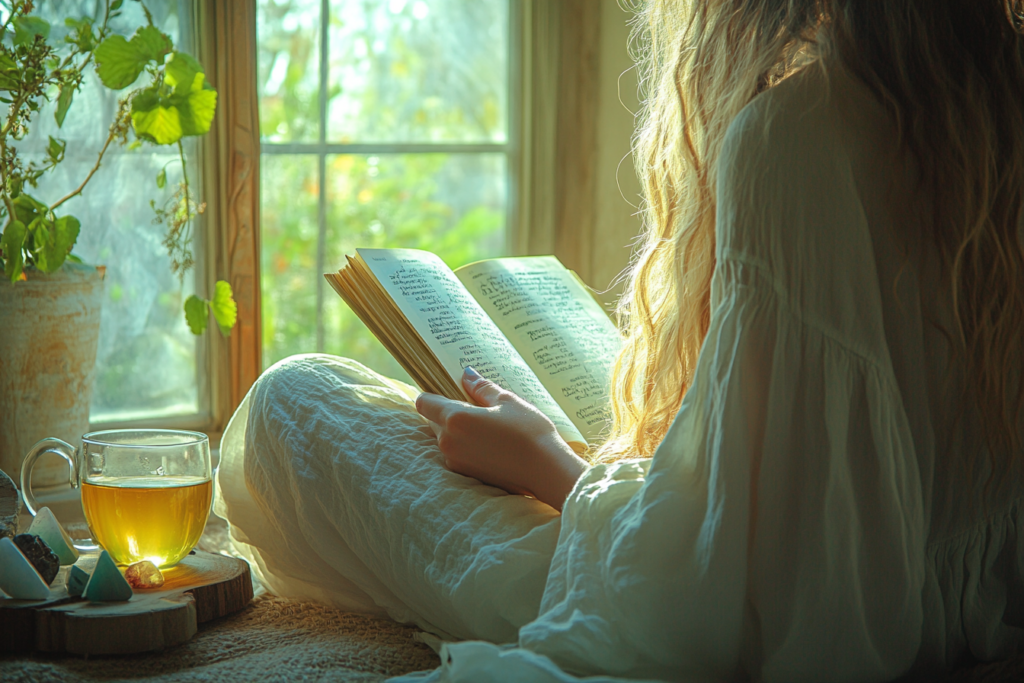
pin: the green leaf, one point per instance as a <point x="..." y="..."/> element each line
<point x="225" y="310"/>
<point x="118" y="63"/>
<point x="55" y="150"/>
<point x="161" y="124"/>
<point x="196" y="313"/>
<point x="12" y="242"/>
<point x="180" y="72"/>
<point x="81" y="33"/>
<point x="146" y="99"/>
<point x="39" y="238"/>
<point x="10" y="74"/>
<point x="116" y="5"/>
<point x="39" y="206"/>
<point x="68" y="228"/>
<point x="59" y="237"/>
<point x="161" y="178"/>
<point x="67" y="91"/>
<point x="151" y="45"/>
<point x="197" y="110"/>
<point x="26" y="208"/>
<point x="27" y="28"/>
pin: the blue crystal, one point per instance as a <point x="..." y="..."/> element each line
<point x="107" y="584"/>
<point x="46" y="527"/>
<point x="18" y="578"/>
<point x="77" y="579"/>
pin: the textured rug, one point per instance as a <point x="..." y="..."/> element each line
<point x="272" y="640"/>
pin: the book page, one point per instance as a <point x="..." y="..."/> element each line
<point x="558" y="327"/>
<point x="457" y="330"/>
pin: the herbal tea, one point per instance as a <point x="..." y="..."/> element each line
<point x="159" y="519"/>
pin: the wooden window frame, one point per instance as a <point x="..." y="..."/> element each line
<point x="226" y="40"/>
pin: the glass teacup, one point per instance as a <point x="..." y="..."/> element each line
<point x="146" y="493"/>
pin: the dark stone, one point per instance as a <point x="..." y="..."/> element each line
<point x="39" y="554"/>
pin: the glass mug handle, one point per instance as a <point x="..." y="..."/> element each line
<point x="64" y="450"/>
<point x="47" y="445"/>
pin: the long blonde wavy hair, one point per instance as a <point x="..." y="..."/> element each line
<point x="951" y="74"/>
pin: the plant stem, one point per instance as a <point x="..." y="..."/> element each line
<point x="10" y="17"/>
<point x="80" y="68"/>
<point x="11" y="216"/>
<point x="188" y="207"/>
<point x="95" y="168"/>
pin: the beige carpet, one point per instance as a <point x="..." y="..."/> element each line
<point x="273" y="640"/>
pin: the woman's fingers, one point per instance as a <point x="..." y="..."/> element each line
<point x="432" y="407"/>
<point x="485" y="392"/>
<point x="444" y="412"/>
<point x="503" y="441"/>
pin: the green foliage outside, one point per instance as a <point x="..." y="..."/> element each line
<point x="441" y="79"/>
<point x="398" y="206"/>
<point x="174" y="102"/>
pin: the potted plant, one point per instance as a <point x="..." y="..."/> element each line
<point x="50" y="303"/>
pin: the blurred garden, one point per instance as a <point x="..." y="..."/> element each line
<point x="403" y="141"/>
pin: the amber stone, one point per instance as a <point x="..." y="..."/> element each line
<point x="144" y="574"/>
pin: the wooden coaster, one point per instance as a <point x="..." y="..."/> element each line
<point x="201" y="587"/>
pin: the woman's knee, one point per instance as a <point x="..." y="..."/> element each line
<point x="318" y="367"/>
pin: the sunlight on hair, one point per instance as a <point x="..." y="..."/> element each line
<point x="700" y="63"/>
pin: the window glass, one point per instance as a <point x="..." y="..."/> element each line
<point x="288" y="69"/>
<point x="146" y="365"/>
<point x="418" y="71"/>
<point x="419" y="90"/>
<point x="288" y="254"/>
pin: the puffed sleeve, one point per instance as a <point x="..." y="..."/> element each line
<point x="778" y="532"/>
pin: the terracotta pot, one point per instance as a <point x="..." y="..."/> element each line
<point x="49" y="329"/>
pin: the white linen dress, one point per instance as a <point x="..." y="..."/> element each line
<point x="807" y="517"/>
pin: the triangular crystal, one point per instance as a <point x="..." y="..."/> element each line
<point x="106" y="583"/>
<point x="77" y="578"/>
<point x="18" y="578"/>
<point x="46" y="527"/>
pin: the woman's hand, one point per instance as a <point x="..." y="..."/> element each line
<point x="502" y="441"/>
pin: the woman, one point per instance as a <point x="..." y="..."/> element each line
<point x="814" y="469"/>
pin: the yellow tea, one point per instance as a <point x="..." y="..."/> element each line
<point x="159" y="519"/>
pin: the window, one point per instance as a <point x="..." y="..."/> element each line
<point x="384" y="123"/>
<point x="149" y="364"/>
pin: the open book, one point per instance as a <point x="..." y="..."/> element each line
<point x="528" y="324"/>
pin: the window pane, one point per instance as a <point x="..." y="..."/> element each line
<point x="146" y="365"/>
<point x="418" y="71"/>
<point x="288" y="63"/>
<point x="288" y="214"/>
<point x="450" y="204"/>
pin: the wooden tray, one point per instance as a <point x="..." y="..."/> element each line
<point x="201" y="587"/>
